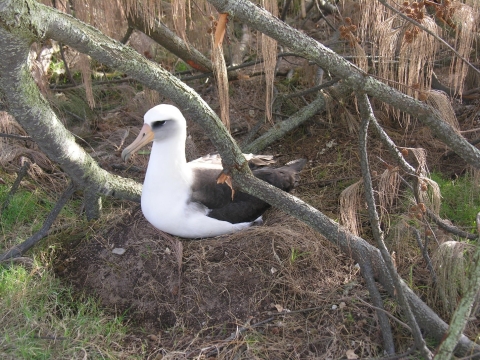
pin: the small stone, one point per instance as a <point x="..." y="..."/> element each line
<point x="119" y="251"/>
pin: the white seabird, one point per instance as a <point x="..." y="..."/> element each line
<point x="184" y="199"/>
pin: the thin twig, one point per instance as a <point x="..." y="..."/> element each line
<point x="34" y="239"/>
<point x="62" y="87"/>
<point x="21" y="174"/>
<point x="310" y="90"/>
<point x="285" y="10"/>
<point x="416" y="23"/>
<point x="450" y="228"/>
<point x="127" y="35"/>
<point x="424" y="250"/>
<point x="14" y="136"/>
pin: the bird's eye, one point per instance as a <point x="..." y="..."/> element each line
<point x="158" y="124"/>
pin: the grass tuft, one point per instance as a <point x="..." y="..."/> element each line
<point x="460" y="200"/>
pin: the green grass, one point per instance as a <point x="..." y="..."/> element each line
<point x="42" y="319"/>
<point x="460" y="200"/>
<point x="25" y="208"/>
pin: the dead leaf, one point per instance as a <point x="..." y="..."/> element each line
<point x="279" y="307"/>
<point x="226" y="179"/>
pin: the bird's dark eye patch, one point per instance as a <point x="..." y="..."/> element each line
<point x="158" y="124"/>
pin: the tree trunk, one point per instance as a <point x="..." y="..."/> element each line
<point x="31" y="110"/>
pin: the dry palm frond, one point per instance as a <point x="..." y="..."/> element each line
<point x="148" y="8"/>
<point x="429" y="193"/>
<point x="84" y="64"/>
<point x="220" y="71"/>
<point x="348" y="32"/>
<point x="180" y="18"/>
<point x="350" y="202"/>
<point x="350" y="120"/>
<point x="373" y="15"/>
<point x="406" y="56"/>
<point x="440" y="101"/>
<point x="400" y="240"/>
<point x="388" y="188"/>
<point x="269" y="52"/>
<point x="464" y="18"/>
<point x="420" y="155"/>
<point x="417" y="55"/>
<point x="451" y="263"/>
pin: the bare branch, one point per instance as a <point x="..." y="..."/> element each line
<point x="31" y="241"/>
<point x="21" y="174"/>
<point x="366" y="112"/>
<point x="386" y="330"/>
<point x="281" y="128"/>
<point x="14" y="136"/>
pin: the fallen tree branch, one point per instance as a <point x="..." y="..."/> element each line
<point x="162" y="35"/>
<point x="450" y="228"/>
<point x="20" y="175"/>
<point x="385" y="327"/>
<point x="279" y="130"/>
<point x="33" y="240"/>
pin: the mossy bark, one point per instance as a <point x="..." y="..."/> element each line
<point x="23" y="99"/>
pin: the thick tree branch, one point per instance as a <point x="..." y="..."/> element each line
<point x="279" y="130"/>
<point x="170" y="41"/>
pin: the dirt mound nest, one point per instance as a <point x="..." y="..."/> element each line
<point x="201" y="291"/>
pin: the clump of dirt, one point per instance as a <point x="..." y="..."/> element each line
<point x="190" y="296"/>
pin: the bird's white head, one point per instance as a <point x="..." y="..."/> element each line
<point x="162" y="122"/>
